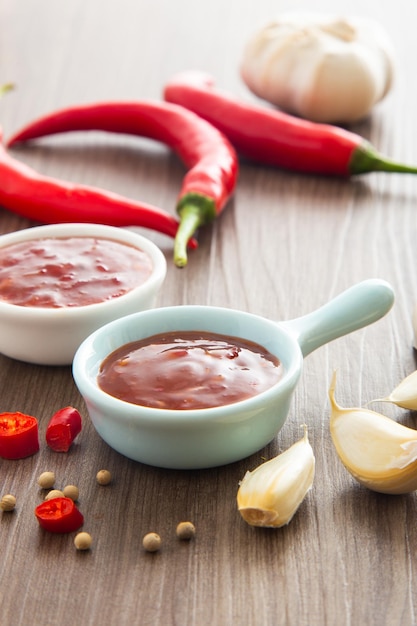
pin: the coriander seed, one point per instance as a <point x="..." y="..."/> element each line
<point x="71" y="491"/>
<point x="151" y="542"/>
<point x="103" y="477"/>
<point x="54" y="493"/>
<point x="83" y="541"/>
<point x="185" y="530"/>
<point x="8" y="502"/>
<point x="46" y="480"/>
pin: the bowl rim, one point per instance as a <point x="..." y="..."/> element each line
<point x="85" y="375"/>
<point x="86" y="229"/>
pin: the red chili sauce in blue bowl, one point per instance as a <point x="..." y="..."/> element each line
<point x="188" y="370"/>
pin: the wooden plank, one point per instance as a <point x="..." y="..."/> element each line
<point x="284" y="245"/>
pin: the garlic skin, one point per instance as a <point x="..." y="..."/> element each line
<point x="380" y="453"/>
<point x="322" y="68"/>
<point x="405" y="394"/>
<point x="270" y="495"/>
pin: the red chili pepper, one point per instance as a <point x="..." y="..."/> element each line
<point x="275" y="138"/>
<point x="211" y="161"/>
<point x="53" y="201"/>
<point x="59" y="515"/>
<point x="63" y="428"/>
<point x="18" y="435"/>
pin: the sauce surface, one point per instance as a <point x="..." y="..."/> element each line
<point x="188" y="370"/>
<point x="69" y="272"/>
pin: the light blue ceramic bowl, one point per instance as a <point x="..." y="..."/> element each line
<point x="216" y="436"/>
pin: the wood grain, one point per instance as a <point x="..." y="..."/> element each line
<point x="285" y="245"/>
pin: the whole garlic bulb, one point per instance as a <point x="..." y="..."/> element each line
<point x="322" y="68"/>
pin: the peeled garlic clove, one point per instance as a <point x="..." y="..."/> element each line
<point x="321" y="67"/>
<point x="405" y="394"/>
<point x="271" y="494"/>
<point x="379" y="453"/>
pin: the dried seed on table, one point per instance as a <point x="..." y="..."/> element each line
<point x="185" y="530"/>
<point x="46" y="480"/>
<point x="83" y="541"/>
<point x="103" y="477"/>
<point x="152" y="542"/>
<point x="71" y="491"/>
<point x="54" y="493"/>
<point x="8" y="502"/>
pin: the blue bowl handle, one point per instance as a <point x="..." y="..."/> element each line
<point x="360" y="305"/>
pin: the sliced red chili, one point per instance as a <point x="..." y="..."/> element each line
<point x="19" y="436"/>
<point x="63" y="428"/>
<point x="59" y="515"/>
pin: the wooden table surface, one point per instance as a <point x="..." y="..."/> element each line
<point x="286" y="244"/>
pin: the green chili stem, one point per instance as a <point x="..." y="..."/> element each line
<point x="366" y="159"/>
<point x="194" y="209"/>
<point x="191" y="219"/>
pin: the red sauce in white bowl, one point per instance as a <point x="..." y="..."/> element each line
<point x="55" y="272"/>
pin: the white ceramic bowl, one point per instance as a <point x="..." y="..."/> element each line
<point x="189" y="439"/>
<point x="51" y="336"/>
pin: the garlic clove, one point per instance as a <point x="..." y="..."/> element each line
<point x="380" y="453"/>
<point x="405" y="394"/>
<point x="323" y="68"/>
<point x="270" y="495"/>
